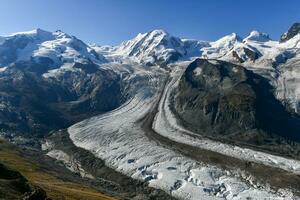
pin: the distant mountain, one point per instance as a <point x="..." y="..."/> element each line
<point x="49" y="80"/>
<point x="66" y="72"/>
<point x="154" y="48"/>
<point x="46" y="47"/>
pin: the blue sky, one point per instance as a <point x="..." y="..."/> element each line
<point x="112" y="21"/>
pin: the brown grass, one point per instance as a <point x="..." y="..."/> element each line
<point x="56" y="189"/>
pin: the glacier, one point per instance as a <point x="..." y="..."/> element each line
<point x="118" y="137"/>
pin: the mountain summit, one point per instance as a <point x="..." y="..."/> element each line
<point x="257" y="36"/>
<point x="55" y="48"/>
<point x="156" y="46"/>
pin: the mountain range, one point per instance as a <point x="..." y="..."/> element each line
<point x="169" y="113"/>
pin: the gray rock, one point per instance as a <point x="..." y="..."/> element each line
<point x="293" y="30"/>
<point x="228" y="102"/>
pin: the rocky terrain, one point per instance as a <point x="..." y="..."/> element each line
<point x="226" y="101"/>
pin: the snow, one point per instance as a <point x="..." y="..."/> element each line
<point x="158" y="45"/>
<point x="198" y="71"/>
<point x="220" y="47"/>
<point x="257" y="36"/>
<point x="37" y="34"/>
<point x="2" y="69"/>
<point x="117" y="136"/>
<point x="125" y="147"/>
<point x="57" y="46"/>
<point x="67" y="67"/>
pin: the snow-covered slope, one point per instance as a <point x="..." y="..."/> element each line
<point x="43" y="46"/>
<point x="257" y="50"/>
<point x="221" y="47"/>
<point x="156" y="47"/>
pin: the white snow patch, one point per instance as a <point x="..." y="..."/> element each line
<point x="197" y="71"/>
<point x="2" y="69"/>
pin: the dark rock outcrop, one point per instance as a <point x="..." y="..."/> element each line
<point x="293" y="30"/>
<point x="252" y="55"/>
<point x="227" y="101"/>
<point x="30" y="103"/>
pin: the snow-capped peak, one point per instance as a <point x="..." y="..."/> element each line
<point x="227" y="41"/>
<point x="221" y="47"/>
<point x="257" y="36"/>
<point x="153" y="46"/>
<point x="57" y="47"/>
<point x="157" y="32"/>
<point x="36" y="33"/>
<point x="146" y="40"/>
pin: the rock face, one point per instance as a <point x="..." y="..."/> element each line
<point x="293" y="30"/>
<point x="222" y="100"/>
<point x="34" y="104"/>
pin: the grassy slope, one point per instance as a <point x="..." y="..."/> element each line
<point x="55" y="187"/>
